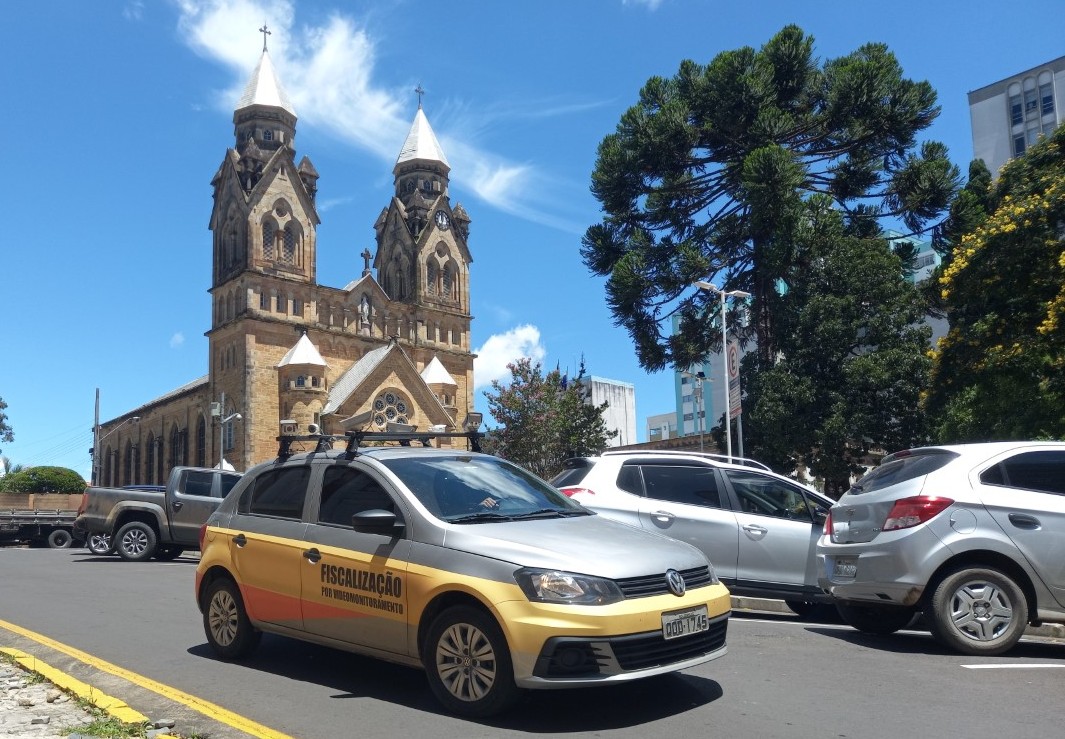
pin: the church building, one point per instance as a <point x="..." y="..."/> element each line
<point x="288" y="353"/>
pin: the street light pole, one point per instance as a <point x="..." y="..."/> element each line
<point x="724" y="353"/>
<point x="222" y="421"/>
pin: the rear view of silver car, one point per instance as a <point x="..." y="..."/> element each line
<point x="972" y="535"/>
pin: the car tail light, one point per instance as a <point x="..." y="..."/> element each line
<point x="909" y="512"/>
<point x="569" y="492"/>
<point x="827" y="529"/>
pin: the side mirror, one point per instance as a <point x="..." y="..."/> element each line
<point x="376" y="521"/>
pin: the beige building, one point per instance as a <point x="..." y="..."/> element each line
<point x="288" y="352"/>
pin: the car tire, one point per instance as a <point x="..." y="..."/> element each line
<point x="468" y="663"/>
<point x="135" y="542"/>
<point x="60" y="539"/>
<point x="875" y="619"/>
<point x="168" y="552"/>
<point x="226" y="623"/>
<point x="99" y="544"/>
<point x="978" y="611"/>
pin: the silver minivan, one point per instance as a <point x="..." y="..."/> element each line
<point x="972" y="535"/>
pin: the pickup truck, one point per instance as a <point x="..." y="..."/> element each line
<point x="144" y="523"/>
<point x="38" y="519"/>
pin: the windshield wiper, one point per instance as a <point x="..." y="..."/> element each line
<point x="480" y="517"/>
<point x="540" y="513"/>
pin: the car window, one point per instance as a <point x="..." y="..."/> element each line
<point x="347" y="491"/>
<point x="901" y="469"/>
<point x="228" y="481"/>
<point x="691" y="484"/>
<point x="576" y="470"/>
<point x="767" y="496"/>
<point x="629" y="479"/>
<point x="198" y="483"/>
<point x="278" y="493"/>
<point x="1043" y="471"/>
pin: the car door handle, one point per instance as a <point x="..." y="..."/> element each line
<point x="755" y="532"/>
<point x="313" y="556"/>
<point x="240" y="540"/>
<point x="1024" y="521"/>
<point x="177" y="505"/>
<point x="663" y="516"/>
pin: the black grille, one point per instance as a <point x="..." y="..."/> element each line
<point x="651" y="650"/>
<point x="583" y="658"/>
<point x="647" y="585"/>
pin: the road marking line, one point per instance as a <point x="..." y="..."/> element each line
<point x="1010" y="667"/>
<point x="199" y="705"/>
<point x="119" y="709"/>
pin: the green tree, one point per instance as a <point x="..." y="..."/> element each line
<point x="7" y="434"/>
<point x="544" y="418"/>
<point x="43" y="480"/>
<point x="707" y="173"/>
<point x="853" y="357"/>
<point x="999" y="373"/>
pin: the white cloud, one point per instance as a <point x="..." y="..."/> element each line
<point x="502" y="349"/>
<point x="177" y="340"/>
<point x="328" y="72"/>
<point x="133" y="11"/>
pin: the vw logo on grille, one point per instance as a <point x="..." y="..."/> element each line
<point x="675" y="582"/>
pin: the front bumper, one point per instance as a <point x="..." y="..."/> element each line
<point x="555" y="646"/>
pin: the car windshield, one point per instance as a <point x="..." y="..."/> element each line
<point x="480" y="489"/>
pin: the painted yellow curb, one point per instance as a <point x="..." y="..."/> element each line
<point x="199" y="705"/>
<point x="113" y="706"/>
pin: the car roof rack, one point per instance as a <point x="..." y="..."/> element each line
<point x="742" y="461"/>
<point x="354" y="439"/>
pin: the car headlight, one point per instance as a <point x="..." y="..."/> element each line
<point x="554" y="586"/>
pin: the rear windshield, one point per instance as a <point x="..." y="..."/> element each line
<point x="576" y="470"/>
<point x="903" y="468"/>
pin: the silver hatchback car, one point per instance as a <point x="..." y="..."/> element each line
<point x="972" y="535"/>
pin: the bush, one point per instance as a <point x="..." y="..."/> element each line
<point x="43" y="480"/>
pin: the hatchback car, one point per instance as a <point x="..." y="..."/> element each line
<point x="757" y="527"/>
<point x="455" y="561"/>
<point x="971" y="535"/>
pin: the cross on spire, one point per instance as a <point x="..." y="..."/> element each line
<point x="265" y="32"/>
<point x="419" y="91"/>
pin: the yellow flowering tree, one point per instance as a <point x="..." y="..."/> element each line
<point x="1000" y="371"/>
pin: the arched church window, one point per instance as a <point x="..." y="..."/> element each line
<point x="316" y="381"/>
<point x="268" y="135"/>
<point x="449" y="280"/>
<point x="269" y="235"/>
<point x="409" y="186"/>
<point x="427" y="185"/>
<point x="264" y="301"/>
<point x="431" y="277"/>
<point x="301" y="381"/>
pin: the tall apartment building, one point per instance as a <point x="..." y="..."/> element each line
<point x="1010" y="115"/>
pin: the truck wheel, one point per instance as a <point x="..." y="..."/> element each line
<point x="168" y="552"/>
<point x="99" y="544"/>
<point x="60" y="539"/>
<point x="468" y="663"/>
<point x="978" y="611"/>
<point x="136" y="541"/>
<point x="226" y="623"/>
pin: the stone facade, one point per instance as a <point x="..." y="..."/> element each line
<point x="286" y="351"/>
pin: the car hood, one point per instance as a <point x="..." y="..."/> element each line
<point x="590" y="545"/>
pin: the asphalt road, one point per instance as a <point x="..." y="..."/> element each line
<point x="781" y="678"/>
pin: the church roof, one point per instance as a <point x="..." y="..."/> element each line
<point x="264" y="89"/>
<point x="304" y="352"/>
<point x="350" y="380"/>
<point x="434" y="373"/>
<point x="421" y="142"/>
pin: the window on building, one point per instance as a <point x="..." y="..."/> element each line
<point x="1046" y="99"/>
<point x="1030" y="102"/>
<point x="288" y="249"/>
<point x="1016" y="111"/>
<point x="269" y="235"/>
<point x="1018" y="145"/>
<point x="301" y="381"/>
<point x="268" y="135"/>
<point x="297" y="307"/>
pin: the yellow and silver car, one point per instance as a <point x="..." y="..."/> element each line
<point x="454" y="561"/>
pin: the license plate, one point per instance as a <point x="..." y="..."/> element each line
<point x="845" y="567"/>
<point x="683" y="623"/>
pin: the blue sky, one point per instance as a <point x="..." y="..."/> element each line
<point x="118" y="113"/>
